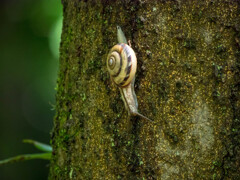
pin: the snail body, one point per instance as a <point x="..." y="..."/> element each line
<point x="122" y="66"/>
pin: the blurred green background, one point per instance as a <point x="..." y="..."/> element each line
<point x="29" y="41"/>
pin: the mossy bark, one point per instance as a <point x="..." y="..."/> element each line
<point x="187" y="81"/>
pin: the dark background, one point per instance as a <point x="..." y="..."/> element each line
<point x="29" y="40"/>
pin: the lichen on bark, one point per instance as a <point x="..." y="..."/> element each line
<point x="187" y="81"/>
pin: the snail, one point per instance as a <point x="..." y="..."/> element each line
<point x="122" y="66"/>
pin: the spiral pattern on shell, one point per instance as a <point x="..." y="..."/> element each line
<point x="122" y="64"/>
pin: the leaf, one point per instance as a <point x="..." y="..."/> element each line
<point x="38" y="145"/>
<point x="24" y="157"/>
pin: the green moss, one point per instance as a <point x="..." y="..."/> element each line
<point x="189" y="44"/>
<point x="220" y="49"/>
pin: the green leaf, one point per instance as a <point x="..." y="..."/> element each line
<point x="24" y="157"/>
<point x="38" y="145"/>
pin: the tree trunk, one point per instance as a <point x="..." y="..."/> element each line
<point x="187" y="81"/>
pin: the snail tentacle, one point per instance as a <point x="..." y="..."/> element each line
<point x="120" y="36"/>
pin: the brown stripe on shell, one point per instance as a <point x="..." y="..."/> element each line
<point x="127" y="70"/>
<point x="120" y="68"/>
<point x="126" y="78"/>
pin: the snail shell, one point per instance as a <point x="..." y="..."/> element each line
<point x="122" y="64"/>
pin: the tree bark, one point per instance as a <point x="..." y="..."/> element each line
<point x="187" y="81"/>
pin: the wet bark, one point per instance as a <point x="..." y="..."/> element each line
<point x="187" y="81"/>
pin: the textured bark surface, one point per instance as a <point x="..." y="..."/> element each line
<point x="187" y="81"/>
